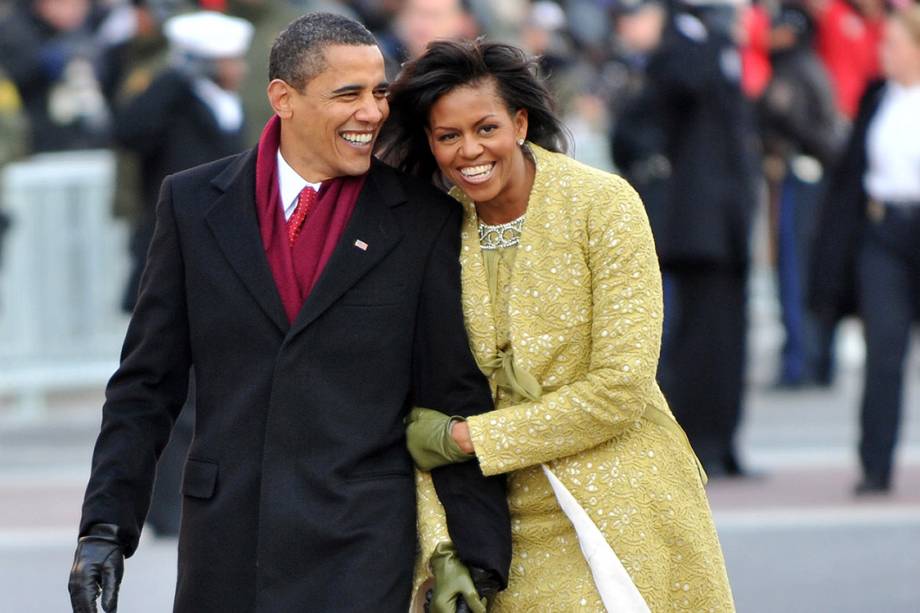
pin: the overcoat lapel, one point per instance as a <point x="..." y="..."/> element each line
<point x="235" y="224"/>
<point x="374" y="225"/>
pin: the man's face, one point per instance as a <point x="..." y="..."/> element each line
<point x="422" y="21"/>
<point x="63" y="15"/>
<point x="230" y="72"/>
<point x="335" y="120"/>
<point x="640" y="31"/>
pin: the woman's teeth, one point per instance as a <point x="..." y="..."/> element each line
<point x="477" y="173"/>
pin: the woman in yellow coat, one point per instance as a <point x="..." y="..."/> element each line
<point x="562" y="302"/>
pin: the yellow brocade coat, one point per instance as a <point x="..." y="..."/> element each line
<point x="585" y="313"/>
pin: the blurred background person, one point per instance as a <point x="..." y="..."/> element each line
<point x="802" y="135"/>
<point x="575" y="74"/>
<point x="848" y="37"/>
<point x="706" y="225"/>
<point x="873" y="210"/>
<point x="544" y="34"/>
<point x="418" y="22"/>
<point x="190" y="114"/>
<point x="61" y="56"/>
<point x="637" y="137"/>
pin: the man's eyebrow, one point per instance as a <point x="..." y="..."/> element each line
<point x="354" y="87"/>
<point x="347" y="89"/>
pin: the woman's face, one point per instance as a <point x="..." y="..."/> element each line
<point x="900" y="54"/>
<point x="474" y="138"/>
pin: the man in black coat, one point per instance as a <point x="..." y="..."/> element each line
<point x="704" y="231"/>
<point x="298" y="491"/>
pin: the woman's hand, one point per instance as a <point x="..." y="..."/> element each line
<point x="460" y="432"/>
<point x="430" y="440"/>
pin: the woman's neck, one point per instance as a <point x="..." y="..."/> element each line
<point x="511" y="203"/>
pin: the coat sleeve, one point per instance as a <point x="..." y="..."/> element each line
<point x="625" y="342"/>
<point x="143" y="121"/>
<point x="446" y="378"/>
<point x="146" y="393"/>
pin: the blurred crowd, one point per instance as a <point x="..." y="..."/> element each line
<point x="712" y="109"/>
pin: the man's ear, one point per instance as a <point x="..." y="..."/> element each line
<point x="279" y="97"/>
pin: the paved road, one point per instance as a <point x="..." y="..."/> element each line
<point x="795" y="540"/>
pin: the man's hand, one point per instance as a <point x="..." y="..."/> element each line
<point x="428" y="436"/>
<point x="97" y="564"/>
<point x="453" y="585"/>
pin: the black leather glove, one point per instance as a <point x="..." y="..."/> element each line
<point x="487" y="583"/>
<point x="99" y="563"/>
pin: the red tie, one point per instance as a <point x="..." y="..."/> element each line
<point x="305" y="201"/>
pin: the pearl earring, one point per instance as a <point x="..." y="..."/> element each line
<point x="520" y="142"/>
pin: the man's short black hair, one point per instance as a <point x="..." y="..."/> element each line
<point x="297" y="54"/>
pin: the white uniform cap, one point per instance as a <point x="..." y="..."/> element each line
<point x="547" y="15"/>
<point x="208" y="34"/>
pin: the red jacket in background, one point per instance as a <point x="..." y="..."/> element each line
<point x="848" y="44"/>
<point x="755" y="52"/>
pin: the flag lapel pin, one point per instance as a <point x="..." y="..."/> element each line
<point x="360" y="244"/>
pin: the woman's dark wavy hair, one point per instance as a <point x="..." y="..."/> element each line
<point x="447" y="65"/>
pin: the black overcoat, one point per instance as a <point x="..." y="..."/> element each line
<point x="298" y="491"/>
<point x="709" y="130"/>
<point x="841" y="219"/>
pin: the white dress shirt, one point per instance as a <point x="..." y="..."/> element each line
<point x="893" y="147"/>
<point x="290" y="184"/>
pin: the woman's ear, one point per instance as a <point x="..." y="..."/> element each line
<point x="279" y="97"/>
<point x="520" y="124"/>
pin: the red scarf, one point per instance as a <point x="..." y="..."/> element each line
<point x="296" y="268"/>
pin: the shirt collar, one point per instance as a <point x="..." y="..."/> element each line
<point x="901" y="91"/>
<point x="290" y="184"/>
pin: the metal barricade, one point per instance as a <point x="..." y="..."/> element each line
<point x="64" y="266"/>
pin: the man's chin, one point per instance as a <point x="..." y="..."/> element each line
<point x="357" y="167"/>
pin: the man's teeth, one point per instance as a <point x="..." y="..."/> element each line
<point x="359" y="139"/>
<point x="472" y="171"/>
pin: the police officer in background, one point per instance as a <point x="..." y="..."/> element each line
<point x="190" y="114"/>
<point x="637" y="140"/>
<point x="704" y="232"/>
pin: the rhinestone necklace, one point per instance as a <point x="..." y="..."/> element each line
<point x="502" y="235"/>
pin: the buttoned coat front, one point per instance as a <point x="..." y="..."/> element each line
<point x="298" y="491"/>
<point x="585" y="313"/>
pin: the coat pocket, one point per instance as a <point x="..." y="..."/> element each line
<point x="200" y="479"/>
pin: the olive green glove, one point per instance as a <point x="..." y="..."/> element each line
<point x="429" y="440"/>
<point x="452" y="582"/>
